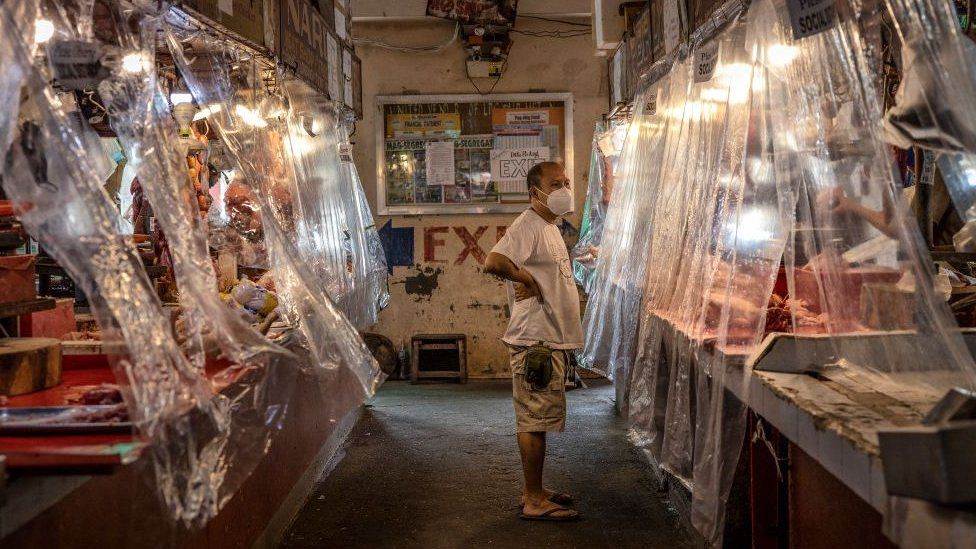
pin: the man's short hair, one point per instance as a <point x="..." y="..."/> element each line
<point x="534" y="178"/>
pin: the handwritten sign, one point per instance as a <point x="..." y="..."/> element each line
<point x="513" y="165"/>
<point x="810" y="17"/>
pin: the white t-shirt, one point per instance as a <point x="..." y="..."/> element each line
<point x="535" y="245"/>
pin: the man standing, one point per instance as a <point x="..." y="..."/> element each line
<point x="544" y="328"/>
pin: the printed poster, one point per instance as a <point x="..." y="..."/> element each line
<point x="420" y="126"/>
<point x="440" y="163"/>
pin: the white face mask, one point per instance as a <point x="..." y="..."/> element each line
<point x="559" y="201"/>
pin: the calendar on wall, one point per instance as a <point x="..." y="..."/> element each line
<point x="455" y="154"/>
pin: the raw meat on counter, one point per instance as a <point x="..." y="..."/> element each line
<point x="780" y="314"/>
<point x="106" y="393"/>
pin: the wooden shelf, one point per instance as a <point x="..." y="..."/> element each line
<point x="26" y="307"/>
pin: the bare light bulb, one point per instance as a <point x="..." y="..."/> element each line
<point x="43" y="30"/>
<point x="135" y="63"/>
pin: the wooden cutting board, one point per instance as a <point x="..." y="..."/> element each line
<point x="29" y="364"/>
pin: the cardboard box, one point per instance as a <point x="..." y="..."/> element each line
<point x="17" y="280"/>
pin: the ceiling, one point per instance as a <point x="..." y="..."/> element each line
<point x="608" y="25"/>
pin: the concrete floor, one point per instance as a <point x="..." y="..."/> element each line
<point x="436" y="466"/>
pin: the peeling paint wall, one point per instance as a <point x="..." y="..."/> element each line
<point x="437" y="284"/>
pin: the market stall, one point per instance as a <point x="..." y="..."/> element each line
<point x="759" y="265"/>
<point x="243" y="350"/>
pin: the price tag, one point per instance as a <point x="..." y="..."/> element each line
<point x="705" y="60"/>
<point x="810" y="17"/>
<point x="77" y="65"/>
<point x="345" y="153"/>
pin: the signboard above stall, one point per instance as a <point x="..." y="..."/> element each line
<point x="243" y="18"/>
<point x="303" y="44"/>
<point x="452" y="154"/>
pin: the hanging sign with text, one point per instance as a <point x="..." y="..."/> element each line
<point x="810" y="17"/>
<point x="705" y="60"/>
<point x="304" y="43"/>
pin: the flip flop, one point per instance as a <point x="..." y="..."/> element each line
<point x="561" y="499"/>
<point x="558" y="498"/>
<point x="548" y="516"/>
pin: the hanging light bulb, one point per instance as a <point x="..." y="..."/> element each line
<point x="135" y="62"/>
<point x="43" y="30"/>
<point x="781" y="55"/>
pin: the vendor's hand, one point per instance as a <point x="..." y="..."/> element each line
<point x="835" y="201"/>
<point x="528" y="288"/>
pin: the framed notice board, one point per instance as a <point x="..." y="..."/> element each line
<point x="456" y="154"/>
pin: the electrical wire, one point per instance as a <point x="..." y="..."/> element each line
<point x="411" y="49"/>
<point x="552" y="33"/>
<point x="563" y="21"/>
<point x="495" y="83"/>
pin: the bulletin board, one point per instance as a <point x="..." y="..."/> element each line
<point x="467" y="154"/>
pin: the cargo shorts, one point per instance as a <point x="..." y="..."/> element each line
<point x="539" y="410"/>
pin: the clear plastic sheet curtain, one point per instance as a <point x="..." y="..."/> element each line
<point x="322" y="237"/>
<point x="617" y="279"/>
<point x="774" y="159"/>
<point x="334" y="229"/>
<point x="603" y="162"/>
<point x="231" y="85"/>
<point x="932" y="105"/>
<point x="51" y="174"/>
<point x="371" y="290"/>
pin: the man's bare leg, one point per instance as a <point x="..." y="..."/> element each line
<point x="532" y="446"/>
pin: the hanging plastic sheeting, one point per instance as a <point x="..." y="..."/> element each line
<point x="334" y="232"/>
<point x="48" y="174"/>
<point x="372" y="292"/>
<point x="746" y="238"/>
<point x="617" y="280"/>
<point x="853" y="240"/>
<point x="252" y="394"/>
<point x="231" y="86"/>
<point x="607" y="143"/>
<point x="938" y="79"/>
<point x="322" y="237"/>
<point x="932" y="105"/>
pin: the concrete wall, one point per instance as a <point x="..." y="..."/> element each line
<point x="445" y="290"/>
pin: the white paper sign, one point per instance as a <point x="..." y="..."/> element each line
<point x="440" y="163"/>
<point x="345" y="153"/>
<point x="672" y="26"/>
<point x="513" y="165"/>
<point x="226" y="6"/>
<point x="705" y="60"/>
<point x="335" y="70"/>
<point x="527" y="118"/>
<point x="810" y="17"/>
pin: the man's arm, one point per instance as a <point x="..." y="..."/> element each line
<point x="502" y="267"/>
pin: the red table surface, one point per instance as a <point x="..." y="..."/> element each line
<point x="82" y="451"/>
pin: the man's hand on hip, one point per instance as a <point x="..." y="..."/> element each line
<point x="527" y="287"/>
